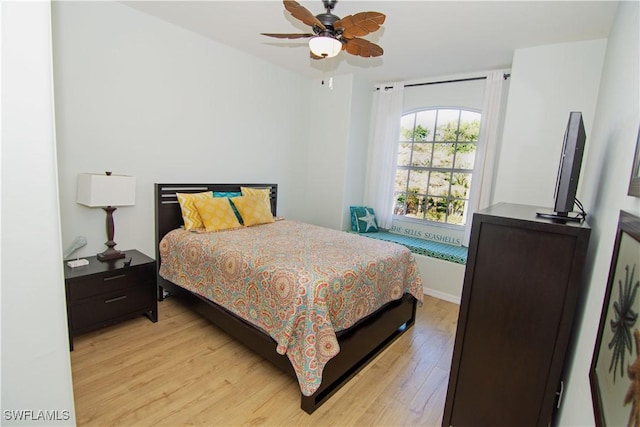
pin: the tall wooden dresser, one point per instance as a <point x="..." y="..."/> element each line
<point x="521" y="285"/>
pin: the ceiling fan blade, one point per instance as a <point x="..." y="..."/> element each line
<point x="288" y="36"/>
<point x="301" y="13"/>
<point x="360" y="24"/>
<point x="362" y="47"/>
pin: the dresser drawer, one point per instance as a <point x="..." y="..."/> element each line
<point x="111" y="307"/>
<point x="87" y="287"/>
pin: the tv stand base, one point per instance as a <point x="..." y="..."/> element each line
<point x="560" y="216"/>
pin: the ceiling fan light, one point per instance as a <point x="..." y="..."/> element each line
<point x="324" y="46"/>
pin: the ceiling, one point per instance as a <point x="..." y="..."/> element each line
<point x="421" y="39"/>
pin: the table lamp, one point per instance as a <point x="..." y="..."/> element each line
<point x="107" y="191"/>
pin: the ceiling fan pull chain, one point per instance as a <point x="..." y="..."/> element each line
<point x="324" y="69"/>
<point x="324" y="73"/>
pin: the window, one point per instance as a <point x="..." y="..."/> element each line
<point x="436" y="154"/>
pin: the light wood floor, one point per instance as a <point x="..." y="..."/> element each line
<point x="184" y="371"/>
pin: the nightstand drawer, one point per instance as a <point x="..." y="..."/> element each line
<point x="87" y="287"/>
<point x="111" y="307"/>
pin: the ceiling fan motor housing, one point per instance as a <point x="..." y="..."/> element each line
<point x="328" y="19"/>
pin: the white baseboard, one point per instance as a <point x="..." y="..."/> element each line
<point x="441" y="295"/>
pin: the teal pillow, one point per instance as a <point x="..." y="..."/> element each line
<point x="229" y="195"/>
<point x="363" y="219"/>
<point x="354" y="220"/>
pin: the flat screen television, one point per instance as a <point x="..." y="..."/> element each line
<point x="569" y="171"/>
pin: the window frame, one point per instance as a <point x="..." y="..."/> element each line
<point x="424" y="220"/>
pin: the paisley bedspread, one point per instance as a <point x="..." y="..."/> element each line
<point x="297" y="282"/>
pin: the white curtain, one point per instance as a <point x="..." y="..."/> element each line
<point x="484" y="167"/>
<point x="387" y="105"/>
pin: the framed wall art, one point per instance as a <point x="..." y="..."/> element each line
<point x="615" y="366"/>
<point x="634" y="182"/>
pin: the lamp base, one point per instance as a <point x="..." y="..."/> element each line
<point x="110" y="255"/>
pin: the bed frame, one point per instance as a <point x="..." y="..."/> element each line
<point x="358" y="344"/>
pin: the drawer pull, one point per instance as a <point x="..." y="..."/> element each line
<point x="119" y="276"/>
<point x="115" y="299"/>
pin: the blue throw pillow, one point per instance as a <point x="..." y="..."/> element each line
<point x="363" y="219"/>
<point x="229" y="195"/>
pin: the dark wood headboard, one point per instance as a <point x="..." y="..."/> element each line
<point x="169" y="215"/>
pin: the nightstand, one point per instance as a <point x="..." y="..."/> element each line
<point x="103" y="293"/>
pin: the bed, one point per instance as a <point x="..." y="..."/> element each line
<point x="320" y="369"/>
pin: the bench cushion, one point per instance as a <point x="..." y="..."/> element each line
<point x="457" y="254"/>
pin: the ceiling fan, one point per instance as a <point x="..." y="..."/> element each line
<point x="332" y="34"/>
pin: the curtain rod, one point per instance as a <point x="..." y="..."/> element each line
<point x="506" y="76"/>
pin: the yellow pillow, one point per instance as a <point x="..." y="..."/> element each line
<point x="264" y="193"/>
<point x="190" y="214"/>
<point x="253" y="210"/>
<point x="216" y="214"/>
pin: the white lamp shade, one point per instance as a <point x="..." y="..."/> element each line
<point x="323" y="46"/>
<point x="100" y="190"/>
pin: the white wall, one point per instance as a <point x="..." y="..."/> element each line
<point x="138" y="96"/>
<point x="357" y="147"/>
<point x="328" y="134"/>
<point x="441" y="279"/>
<point x="36" y="372"/>
<point x="337" y="152"/>
<point x="605" y="179"/>
<point x="469" y="94"/>
<point x="547" y="83"/>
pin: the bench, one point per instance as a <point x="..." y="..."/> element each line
<point x="457" y="254"/>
